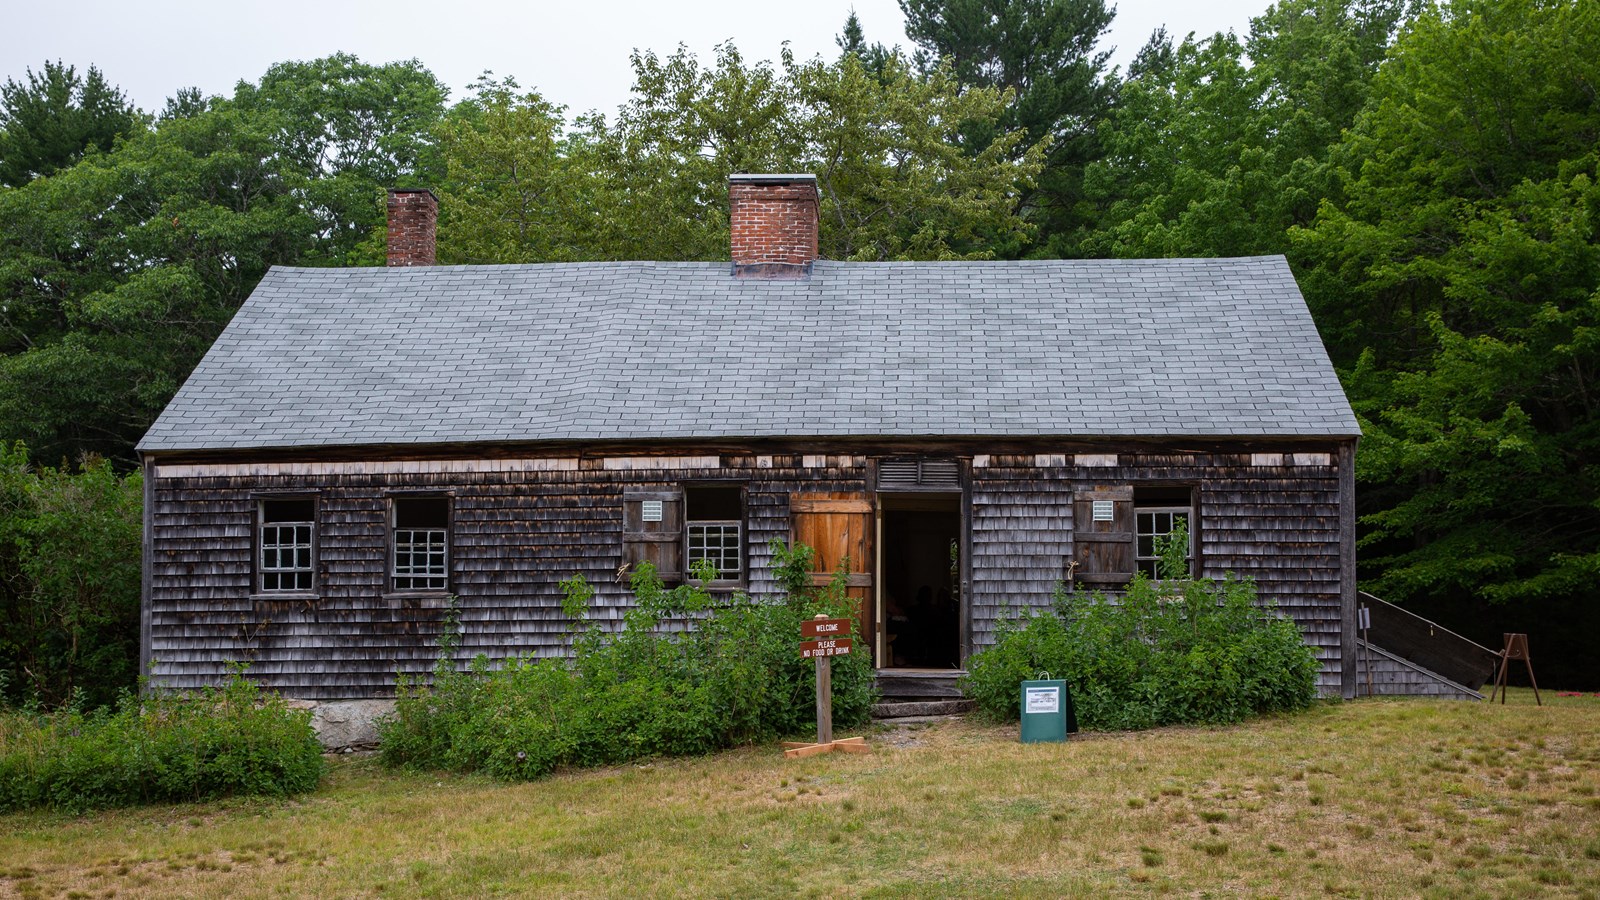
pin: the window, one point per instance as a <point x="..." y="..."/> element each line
<point x="286" y="545"/>
<point x="1157" y="511"/>
<point x="672" y="528"/>
<point x="714" y="521"/>
<point x="1115" y="528"/>
<point x="420" y="549"/>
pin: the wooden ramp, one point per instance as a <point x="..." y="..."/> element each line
<point x="1429" y="646"/>
<point x="1393" y="676"/>
<point x="1412" y="655"/>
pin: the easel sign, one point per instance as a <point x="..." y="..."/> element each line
<point x="826" y="643"/>
<point x="1516" y="648"/>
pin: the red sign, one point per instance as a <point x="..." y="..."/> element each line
<point x="825" y="627"/>
<point x="825" y="647"/>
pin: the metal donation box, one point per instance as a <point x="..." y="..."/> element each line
<point x="1046" y="711"/>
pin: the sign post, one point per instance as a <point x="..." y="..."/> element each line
<point x="826" y="642"/>
<point x="1365" y="624"/>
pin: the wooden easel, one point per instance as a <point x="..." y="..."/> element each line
<point x="1516" y="648"/>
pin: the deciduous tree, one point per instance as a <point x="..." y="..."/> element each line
<point x="1461" y="260"/>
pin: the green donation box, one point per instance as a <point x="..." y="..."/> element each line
<point x="1046" y="711"/>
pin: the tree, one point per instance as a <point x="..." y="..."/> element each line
<point x="895" y="184"/>
<point x="510" y="193"/>
<point x="69" y="581"/>
<point x="1043" y="51"/>
<point x="1457" y="271"/>
<point x="1219" y="146"/>
<point x="118" y="272"/>
<point x="662" y="166"/>
<point x="349" y="128"/>
<point x="852" y="41"/>
<point x="47" y="123"/>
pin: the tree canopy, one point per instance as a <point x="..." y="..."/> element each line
<point x="119" y="271"/>
<point x="1456" y="270"/>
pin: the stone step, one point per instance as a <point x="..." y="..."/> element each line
<point x="902" y="709"/>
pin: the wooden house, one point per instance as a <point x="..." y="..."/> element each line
<point x="361" y="444"/>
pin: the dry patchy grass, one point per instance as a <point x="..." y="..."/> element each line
<point x="1372" y="798"/>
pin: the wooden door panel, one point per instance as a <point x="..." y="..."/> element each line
<point x="838" y="526"/>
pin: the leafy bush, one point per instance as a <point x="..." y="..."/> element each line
<point x="734" y="678"/>
<point x="69" y="593"/>
<point x="1176" y="651"/>
<point x="164" y="747"/>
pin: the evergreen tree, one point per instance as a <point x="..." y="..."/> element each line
<point x="48" y="122"/>
<point x="1044" y="52"/>
<point x="852" y="41"/>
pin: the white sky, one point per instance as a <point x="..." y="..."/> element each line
<point x="575" y="53"/>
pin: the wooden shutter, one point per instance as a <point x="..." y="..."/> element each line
<point x="1104" y="548"/>
<point x="836" y="526"/>
<point x="659" y="542"/>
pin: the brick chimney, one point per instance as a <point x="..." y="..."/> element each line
<point x="774" y="219"/>
<point x="413" y="220"/>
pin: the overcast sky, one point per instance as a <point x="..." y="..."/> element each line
<point x="575" y="53"/>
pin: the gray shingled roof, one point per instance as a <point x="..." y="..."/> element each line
<point x="325" y="357"/>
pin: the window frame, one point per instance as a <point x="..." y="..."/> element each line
<point x="1148" y="563"/>
<point x="259" y="545"/>
<point x="391" y="552"/>
<point x="742" y="552"/>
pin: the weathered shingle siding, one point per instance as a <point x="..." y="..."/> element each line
<point x="521" y="528"/>
<point x="516" y="534"/>
<point x="1276" y="524"/>
<point x="1021" y="537"/>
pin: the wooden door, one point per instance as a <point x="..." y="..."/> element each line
<point x="839" y="526"/>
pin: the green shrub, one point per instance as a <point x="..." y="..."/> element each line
<point x="164" y="747"/>
<point x="1176" y="651"/>
<point x="735" y="677"/>
<point x="69" y="597"/>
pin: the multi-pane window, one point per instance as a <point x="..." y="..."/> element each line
<point x="713" y="529"/>
<point x="420" y="555"/>
<point x="1152" y="523"/>
<point x="287" y="544"/>
<point x="717" y="543"/>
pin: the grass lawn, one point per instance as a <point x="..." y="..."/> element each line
<point x="1373" y="798"/>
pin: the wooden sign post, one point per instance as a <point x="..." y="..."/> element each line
<point x="825" y="645"/>
<point x="1516" y="648"/>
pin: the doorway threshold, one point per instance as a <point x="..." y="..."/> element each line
<point x="897" y="683"/>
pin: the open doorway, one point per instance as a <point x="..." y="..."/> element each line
<point x="921" y="581"/>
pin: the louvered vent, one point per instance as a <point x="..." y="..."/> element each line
<point x="915" y="472"/>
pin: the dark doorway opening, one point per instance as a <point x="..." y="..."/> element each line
<point x="921" y="581"/>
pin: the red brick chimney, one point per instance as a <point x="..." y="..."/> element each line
<point x="413" y="220"/>
<point x="774" y="219"/>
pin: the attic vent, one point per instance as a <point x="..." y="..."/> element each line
<point x="914" y="473"/>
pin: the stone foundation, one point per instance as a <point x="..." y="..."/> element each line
<point x="346" y="724"/>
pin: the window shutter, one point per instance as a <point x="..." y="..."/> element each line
<point x="652" y="530"/>
<point x="1104" y="547"/>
